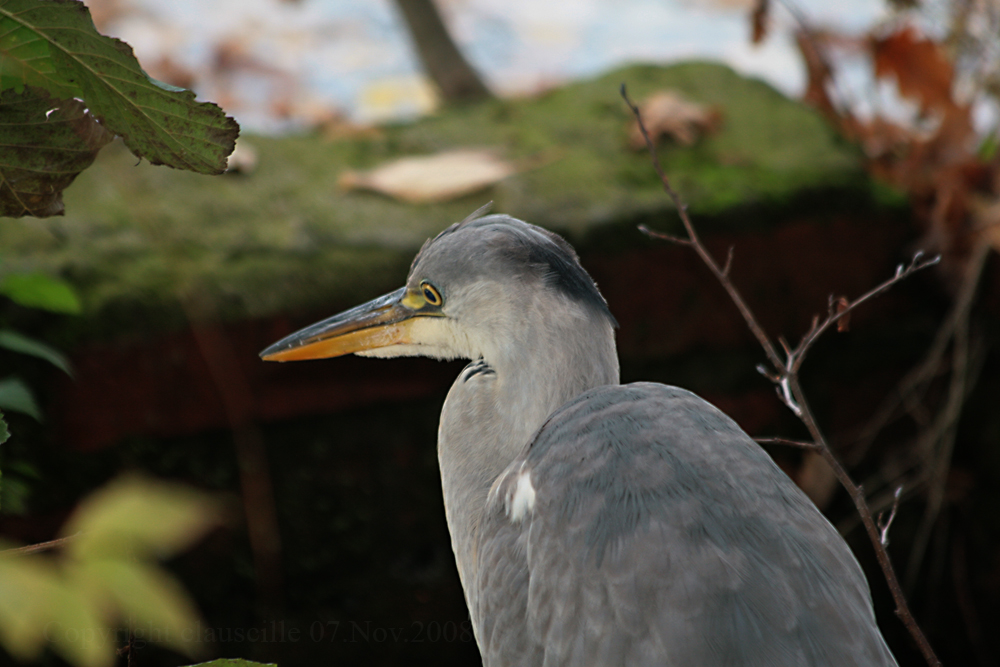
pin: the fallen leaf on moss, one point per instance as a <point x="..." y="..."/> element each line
<point x="433" y="178"/>
<point x="668" y="113"/>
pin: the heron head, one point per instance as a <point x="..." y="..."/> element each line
<point x="472" y="291"/>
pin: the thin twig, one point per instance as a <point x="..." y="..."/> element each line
<point x="912" y="387"/>
<point x="129" y="650"/>
<point x="786" y="375"/>
<point x="695" y="242"/>
<point x="942" y="438"/>
<point x="57" y="543"/>
<point x="802" y="444"/>
<point x="798" y="355"/>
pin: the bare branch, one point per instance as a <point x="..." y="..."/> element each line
<point x="785" y="375"/>
<point x="664" y="237"/>
<point x="802" y="444"/>
<point x="912" y="387"/>
<point x="729" y="261"/>
<point x="695" y="242"/>
<point x="918" y="263"/>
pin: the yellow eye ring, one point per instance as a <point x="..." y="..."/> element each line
<point x="431" y="294"/>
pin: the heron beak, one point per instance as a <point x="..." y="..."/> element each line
<point x="379" y="323"/>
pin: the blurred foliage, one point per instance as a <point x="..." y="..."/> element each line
<point x="32" y="290"/>
<point x="66" y="91"/>
<point x="37" y="291"/>
<point x="106" y="575"/>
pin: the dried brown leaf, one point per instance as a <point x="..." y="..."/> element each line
<point x="986" y="220"/>
<point x="841" y="305"/>
<point x="432" y="178"/>
<point x="668" y="113"/>
<point x="759" y="18"/>
<point x="920" y="66"/>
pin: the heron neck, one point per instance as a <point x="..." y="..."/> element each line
<point x="491" y="413"/>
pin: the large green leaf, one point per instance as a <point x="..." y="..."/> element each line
<point x="40" y="290"/>
<point x="15" y="396"/>
<point x="157" y="121"/>
<point x="26" y="60"/>
<point x="16" y="342"/>
<point x="44" y="143"/>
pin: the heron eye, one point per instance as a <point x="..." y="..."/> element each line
<point x="431" y="294"/>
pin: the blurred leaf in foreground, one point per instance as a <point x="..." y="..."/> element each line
<point x="4" y="433"/>
<point x="17" y="397"/>
<point x="16" y="342"/>
<point x="138" y="516"/>
<point x="39" y="290"/>
<point x="35" y="596"/>
<point x="105" y="577"/>
<point x="53" y="61"/>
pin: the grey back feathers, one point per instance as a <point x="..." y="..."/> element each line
<point x="661" y="534"/>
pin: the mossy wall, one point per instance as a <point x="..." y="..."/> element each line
<point x="138" y="241"/>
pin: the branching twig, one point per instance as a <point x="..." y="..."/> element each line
<point x="914" y="385"/>
<point x="785" y="375"/>
<point x="798" y="355"/>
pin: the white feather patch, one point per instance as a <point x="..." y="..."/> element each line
<point x="522" y="501"/>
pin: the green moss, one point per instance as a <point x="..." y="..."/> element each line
<point x="140" y="239"/>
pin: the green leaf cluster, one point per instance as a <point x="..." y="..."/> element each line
<point x="66" y="91"/>
<point x="106" y="576"/>
<point x="32" y="290"/>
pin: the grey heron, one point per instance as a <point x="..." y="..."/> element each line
<point x="595" y="523"/>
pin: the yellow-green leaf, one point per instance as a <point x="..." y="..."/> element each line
<point x="139" y="517"/>
<point x="37" y="606"/>
<point x="159" y="609"/>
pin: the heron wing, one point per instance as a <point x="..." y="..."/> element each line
<point x="641" y="526"/>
